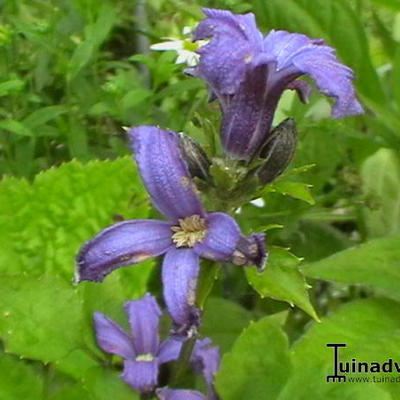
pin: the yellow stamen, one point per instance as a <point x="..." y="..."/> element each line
<point x="190" y="231"/>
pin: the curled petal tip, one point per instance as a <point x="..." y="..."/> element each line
<point x="251" y="250"/>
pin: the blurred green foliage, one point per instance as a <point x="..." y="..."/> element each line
<point x="72" y="75"/>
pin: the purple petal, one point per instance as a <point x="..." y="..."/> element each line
<point x="302" y="88"/>
<point x="251" y="250"/>
<point x="122" y="244"/>
<point x="293" y="51"/>
<point x="179" y="394"/>
<point x="248" y="117"/>
<point x="144" y="316"/>
<point x="179" y="275"/>
<point x="223" y="234"/>
<point x="141" y="375"/>
<point x="206" y="360"/>
<point x="164" y="172"/>
<point x="169" y="350"/>
<point x="111" y="338"/>
<point x="235" y="41"/>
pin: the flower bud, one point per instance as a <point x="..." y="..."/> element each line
<point x="195" y="157"/>
<point x="278" y="151"/>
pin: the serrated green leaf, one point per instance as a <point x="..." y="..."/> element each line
<point x="43" y="225"/>
<point x="258" y="365"/>
<point x="40" y="318"/>
<point x="374" y="263"/>
<point x="370" y="329"/>
<point x="298" y="190"/>
<point x="380" y="175"/>
<point x="282" y="280"/>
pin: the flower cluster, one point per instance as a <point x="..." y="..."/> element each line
<point x="143" y="353"/>
<point x="247" y="73"/>
<point x="190" y="233"/>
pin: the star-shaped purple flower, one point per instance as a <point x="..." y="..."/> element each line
<point x="142" y="351"/>
<point x="190" y="234"/>
<point x="248" y="74"/>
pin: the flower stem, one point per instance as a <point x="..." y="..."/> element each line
<point x="184" y="359"/>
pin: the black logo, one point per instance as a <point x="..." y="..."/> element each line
<point x="355" y="366"/>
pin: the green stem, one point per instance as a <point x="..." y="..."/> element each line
<point x="184" y="359"/>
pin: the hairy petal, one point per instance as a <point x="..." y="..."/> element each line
<point x="122" y="244"/>
<point x="179" y="275"/>
<point x="206" y="359"/>
<point x="144" y="316"/>
<point x="248" y="117"/>
<point x="222" y="236"/>
<point x="297" y="52"/>
<point x="169" y="350"/>
<point x="111" y="338"/>
<point x="179" y="394"/>
<point x="164" y="172"/>
<point x="141" y="375"/>
<point x="235" y="40"/>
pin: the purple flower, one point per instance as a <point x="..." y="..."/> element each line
<point x="190" y="234"/>
<point x="179" y="394"/>
<point x="248" y="74"/>
<point x="142" y="351"/>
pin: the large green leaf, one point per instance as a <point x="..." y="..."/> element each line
<point x="19" y="380"/>
<point x="282" y="280"/>
<point x="223" y="321"/>
<point x="104" y="384"/>
<point x="41" y="318"/>
<point x="375" y="263"/>
<point x="259" y="363"/>
<point x="370" y="329"/>
<point x="43" y="224"/>
<point x="381" y="186"/>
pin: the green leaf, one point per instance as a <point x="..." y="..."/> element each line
<point x="381" y="186"/>
<point x="16" y="127"/>
<point x="95" y="34"/>
<point x="43" y="224"/>
<point x="13" y="85"/>
<point x="258" y="365"/>
<point x="391" y="4"/>
<point x="375" y="263"/>
<point x="104" y="384"/>
<point x="19" y="380"/>
<point x="298" y="190"/>
<point x="282" y="280"/>
<point x="370" y="329"/>
<point x="43" y="115"/>
<point x="40" y="318"/>
<point x="223" y="321"/>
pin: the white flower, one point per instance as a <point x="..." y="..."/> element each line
<point x="184" y="47"/>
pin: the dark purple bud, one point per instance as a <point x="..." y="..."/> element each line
<point x="278" y="151"/>
<point x="195" y="157"/>
<point x="251" y="250"/>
